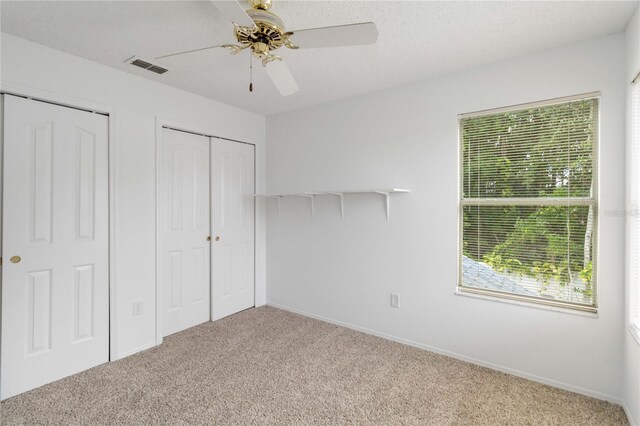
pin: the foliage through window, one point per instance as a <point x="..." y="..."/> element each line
<point x="528" y="202"/>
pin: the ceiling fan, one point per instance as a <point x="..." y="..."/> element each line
<point x="262" y="32"/>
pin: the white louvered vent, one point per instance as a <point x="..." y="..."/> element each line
<point x="147" y="65"/>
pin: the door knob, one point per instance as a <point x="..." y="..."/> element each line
<point x="217" y="237"/>
<point x="209" y="238"/>
<point x="15" y="259"/>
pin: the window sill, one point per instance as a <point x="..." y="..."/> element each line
<point x="526" y="304"/>
<point x="634" y="331"/>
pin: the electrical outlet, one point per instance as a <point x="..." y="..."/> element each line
<point x="395" y="301"/>
<point x="137" y="309"/>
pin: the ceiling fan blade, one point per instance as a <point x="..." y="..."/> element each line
<point x="220" y="50"/>
<point x="341" y="35"/>
<point x="233" y="11"/>
<point x="282" y="78"/>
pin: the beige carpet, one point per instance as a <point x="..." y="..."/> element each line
<point x="267" y="366"/>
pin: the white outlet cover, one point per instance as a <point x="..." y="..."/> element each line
<point x="137" y="309"/>
<point x="395" y="301"/>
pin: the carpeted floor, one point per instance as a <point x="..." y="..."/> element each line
<point x="268" y="366"/>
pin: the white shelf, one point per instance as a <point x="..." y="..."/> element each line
<point x="340" y="194"/>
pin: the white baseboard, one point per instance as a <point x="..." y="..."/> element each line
<point x="632" y="421"/>
<point x="535" y="378"/>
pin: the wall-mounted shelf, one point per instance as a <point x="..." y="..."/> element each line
<point x="340" y="194"/>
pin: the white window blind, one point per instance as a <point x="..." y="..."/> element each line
<point x="528" y="202"/>
<point x="634" y="207"/>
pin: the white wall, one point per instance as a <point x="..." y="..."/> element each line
<point x="407" y="137"/>
<point x="136" y="102"/>
<point x="631" y="346"/>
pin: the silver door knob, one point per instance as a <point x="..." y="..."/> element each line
<point x="217" y="237"/>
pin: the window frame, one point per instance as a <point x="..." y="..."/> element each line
<point x="634" y="204"/>
<point x="534" y="201"/>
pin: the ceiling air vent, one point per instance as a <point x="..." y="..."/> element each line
<point x="147" y="65"/>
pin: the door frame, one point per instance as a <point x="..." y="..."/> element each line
<point x="32" y="93"/>
<point x="208" y="133"/>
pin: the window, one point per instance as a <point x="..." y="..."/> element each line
<point x="634" y="206"/>
<point x="528" y="202"/>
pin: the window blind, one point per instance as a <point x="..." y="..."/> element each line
<point x="528" y="197"/>
<point x="634" y="206"/>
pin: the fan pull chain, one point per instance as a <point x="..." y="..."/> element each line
<point x="250" y="72"/>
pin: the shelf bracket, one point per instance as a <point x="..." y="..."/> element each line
<point x="341" y="196"/>
<point x="386" y="199"/>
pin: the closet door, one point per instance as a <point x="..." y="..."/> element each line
<point x="232" y="219"/>
<point x="55" y="286"/>
<point x="183" y="236"/>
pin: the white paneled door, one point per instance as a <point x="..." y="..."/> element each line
<point x="183" y="238"/>
<point x="232" y="219"/>
<point x="55" y="276"/>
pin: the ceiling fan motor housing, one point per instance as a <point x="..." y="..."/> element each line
<point x="267" y="35"/>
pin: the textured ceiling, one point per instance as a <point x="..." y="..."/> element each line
<point x="417" y="40"/>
